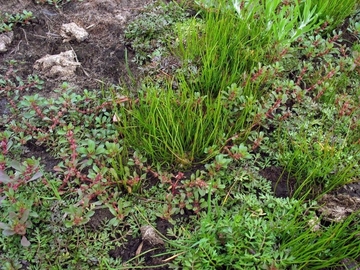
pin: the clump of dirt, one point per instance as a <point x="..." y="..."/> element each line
<point x="97" y="220"/>
<point x="71" y="31"/>
<point x="5" y="40"/>
<point x="283" y="185"/>
<point x="62" y="65"/>
<point x="150" y="236"/>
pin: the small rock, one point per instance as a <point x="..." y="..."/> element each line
<point x="71" y="31"/>
<point x="61" y="65"/>
<point x="6" y="39"/>
<point x="150" y="236"/>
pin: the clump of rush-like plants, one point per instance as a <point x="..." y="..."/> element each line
<point x="184" y="127"/>
<point x="234" y="37"/>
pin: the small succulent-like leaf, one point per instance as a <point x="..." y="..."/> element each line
<point x="68" y="223"/>
<point x="112" y="210"/>
<point x="86" y="163"/>
<point x="24" y="241"/>
<point x="36" y="176"/>
<point x="100" y="150"/>
<point x="12" y="215"/>
<point x="25" y="215"/>
<point x="17" y="165"/>
<point x="4" y="178"/>
<point x="9" y="144"/>
<point x="4" y="226"/>
<point x="82" y="150"/>
<point x="28" y="115"/>
<point x="89" y="214"/>
<point x="91" y="146"/>
<point x="8" y="232"/>
<point x="34" y="214"/>
<point x="114" y="222"/>
<point x="57" y="169"/>
<point x="28" y="224"/>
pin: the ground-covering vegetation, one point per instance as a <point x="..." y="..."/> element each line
<point x="7" y="21"/>
<point x="256" y="84"/>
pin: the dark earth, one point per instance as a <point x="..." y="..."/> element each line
<point x="103" y="62"/>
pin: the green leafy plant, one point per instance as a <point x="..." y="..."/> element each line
<point x="120" y="209"/>
<point x="16" y="206"/>
<point x="25" y="172"/>
<point x="17" y="212"/>
<point x="77" y="216"/>
<point x="8" y="21"/>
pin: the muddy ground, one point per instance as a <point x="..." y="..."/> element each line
<point x="101" y="59"/>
